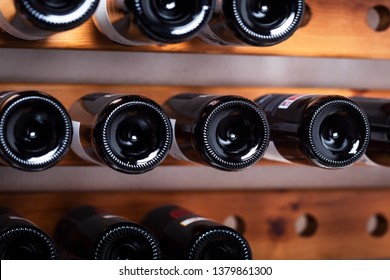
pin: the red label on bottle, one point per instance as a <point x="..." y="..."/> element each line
<point x="179" y="212"/>
<point x="290" y="100"/>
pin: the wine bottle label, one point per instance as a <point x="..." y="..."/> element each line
<point x="77" y="147"/>
<point x="102" y="21"/>
<point x="288" y="101"/>
<point x="7" y="27"/>
<point x="21" y="219"/>
<point x="273" y="154"/>
<point x="175" y="150"/>
<point x="192" y="220"/>
<point x="109" y="216"/>
<point x="208" y="36"/>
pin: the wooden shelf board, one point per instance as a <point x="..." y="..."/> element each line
<point x="337" y="28"/>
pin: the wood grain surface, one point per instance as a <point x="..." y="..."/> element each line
<point x="269" y="216"/>
<point x="337" y="28"/>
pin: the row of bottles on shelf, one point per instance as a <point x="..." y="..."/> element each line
<point x="87" y="232"/>
<point x="142" y="22"/>
<point x="133" y="134"/>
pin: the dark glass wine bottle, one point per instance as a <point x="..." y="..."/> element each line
<point x="185" y="235"/>
<point x="226" y="132"/>
<point x="141" y="22"/>
<point x="87" y="232"/>
<point x="378" y="112"/>
<point x="253" y="22"/>
<point x="35" y="130"/>
<point x="325" y="131"/>
<point x="39" y="19"/>
<point x="128" y="133"/>
<point x="20" y="239"/>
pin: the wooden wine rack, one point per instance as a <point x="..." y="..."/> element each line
<point x="338" y="217"/>
<point x="269" y="216"/>
<point x="68" y="94"/>
<point x="335" y="28"/>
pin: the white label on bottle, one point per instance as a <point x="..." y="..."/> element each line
<point x="273" y="154"/>
<point x="102" y="21"/>
<point x="189" y="221"/>
<point x="290" y="100"/>
<point x="175" y="150"/>
<point x="7" y="27"/>
<point x="109" y="216"/>
<point x="208" y="36"/>
<point x="21" y="219"/>
<point x="367" y="161"/>
<point x="77" y="147"/>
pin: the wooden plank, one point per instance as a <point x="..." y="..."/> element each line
<point x="269" y="216"/>
<point x="67" y="94"/>
<point x="337" y="28"/>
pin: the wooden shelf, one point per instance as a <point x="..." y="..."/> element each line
<point x="337" y="28"/>
<point x="270" y="216"/>
<point x="67" y="94"/>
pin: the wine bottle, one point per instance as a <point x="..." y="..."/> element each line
<point x="20" y="239"/>
<point x="87" y="232"/>
<point x="185" y="235"/>
<point x="326" y="131"/>
<point x="253" y="22"/>
<point x="128" y="133"/>
<point x="378" y="112"/>
<point x="226" y="132"/>
<point x="39" y="19"/>
<point x="141" y="22"/>
<point x="35" y="130"/>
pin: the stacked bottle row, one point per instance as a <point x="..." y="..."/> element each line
<point x="142" y="22"/>
<point x="86" y="232"/>
<point x="133" y="134"/>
